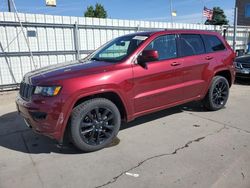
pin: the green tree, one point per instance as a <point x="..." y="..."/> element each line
<point x="219" y="17"/>
<point x="90" y="12"/>
<point x="98" y="12"/>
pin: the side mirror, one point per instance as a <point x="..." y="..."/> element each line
<point x="147" y="56"/>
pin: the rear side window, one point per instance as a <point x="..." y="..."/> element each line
<point x="213" y="43"/>
<point x="191" y="44"/>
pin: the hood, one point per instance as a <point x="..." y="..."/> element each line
<point x="66" y="70"/>
<point x="243" y="59"/>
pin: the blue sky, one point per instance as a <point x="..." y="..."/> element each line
<point x="188" y="11"/>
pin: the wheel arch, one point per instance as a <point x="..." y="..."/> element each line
<point x="110" y="95"/>
<point x="226" y="74"/>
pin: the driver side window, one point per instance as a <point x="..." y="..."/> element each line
<point x="165" y="46"/>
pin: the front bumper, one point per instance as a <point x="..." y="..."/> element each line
<point x="243" y="73"/>
<point x="44" y="116"/>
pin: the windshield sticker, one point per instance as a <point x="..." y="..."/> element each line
<point x="140" y="37"/>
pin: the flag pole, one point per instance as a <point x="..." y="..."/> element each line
<point x="202" y="17"/>
<point x="202" y="21"/>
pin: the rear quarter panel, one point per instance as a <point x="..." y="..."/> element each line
<point x="223" y="62"/>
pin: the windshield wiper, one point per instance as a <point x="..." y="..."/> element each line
<point x="103" y="59"/>
<point x="95" y="59"/>
<point x="88" y="59"/>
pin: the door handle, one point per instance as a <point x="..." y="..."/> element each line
<point x="175" y="64"/>
<point x="209" y="58"/>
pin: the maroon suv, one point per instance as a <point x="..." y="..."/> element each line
<point x="128" y="77"/>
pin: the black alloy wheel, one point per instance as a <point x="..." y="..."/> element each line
<point x="97" y="126"/>
<point x="220" y="93"/>
<point x="217" y="94"/>
<point x="94" y="124"/>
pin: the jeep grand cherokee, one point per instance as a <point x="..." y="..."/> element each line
<point x="128" y="77"/>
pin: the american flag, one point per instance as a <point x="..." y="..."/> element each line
<point x="208" y="13"/>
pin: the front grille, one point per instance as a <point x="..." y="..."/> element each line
<point x="26" y="90"/>
<point x="245" y="65"/>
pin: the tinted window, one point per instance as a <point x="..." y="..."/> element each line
<point x="165" y="45"/>
<point x="191" y="44"/>
<point x="247" y="11"/>
<point x="119" y="48"/>
<point x="213" y="43"/>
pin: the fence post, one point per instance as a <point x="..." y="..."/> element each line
<point x="246" y="40"/>
<point x="138" y="27"/>
<point x="76" y="40"/>
<point x="224" y="30"/>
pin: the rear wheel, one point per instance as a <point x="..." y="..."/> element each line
<point x="94" y="124"/>
<point x="218" y="93"/>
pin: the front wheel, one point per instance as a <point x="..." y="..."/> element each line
<point x="218" y="93"/>
<point x="94" y="124"/>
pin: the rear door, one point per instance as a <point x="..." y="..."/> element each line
<point x="195" y="62"/>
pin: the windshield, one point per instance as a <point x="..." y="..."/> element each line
<point x="118" y="49"/>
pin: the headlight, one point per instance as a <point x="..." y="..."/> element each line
<point x="47" y="90"/>
<point x="237" y="65"/>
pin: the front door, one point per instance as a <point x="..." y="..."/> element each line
<point x="160" y="82"/>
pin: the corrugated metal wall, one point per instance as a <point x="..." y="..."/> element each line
<point x="55" y="39"/>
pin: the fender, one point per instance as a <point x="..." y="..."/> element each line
<point x="215" y="72"/>
<point x="96" y="91"/>
<point x="230" y="69"/>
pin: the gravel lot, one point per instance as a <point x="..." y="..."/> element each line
<point x="181" y="147"/>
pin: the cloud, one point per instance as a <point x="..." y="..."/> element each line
<point x="60" y="10"/>
<point x="190" y="18"/>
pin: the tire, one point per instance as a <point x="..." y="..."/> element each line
<point x="94" y="124"/>
<point x="217" y="94"/>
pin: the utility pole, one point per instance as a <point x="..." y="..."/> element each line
<point x="9" y="6"/>
<point x="235" y="26"/>
<point x="171" y="12"/>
